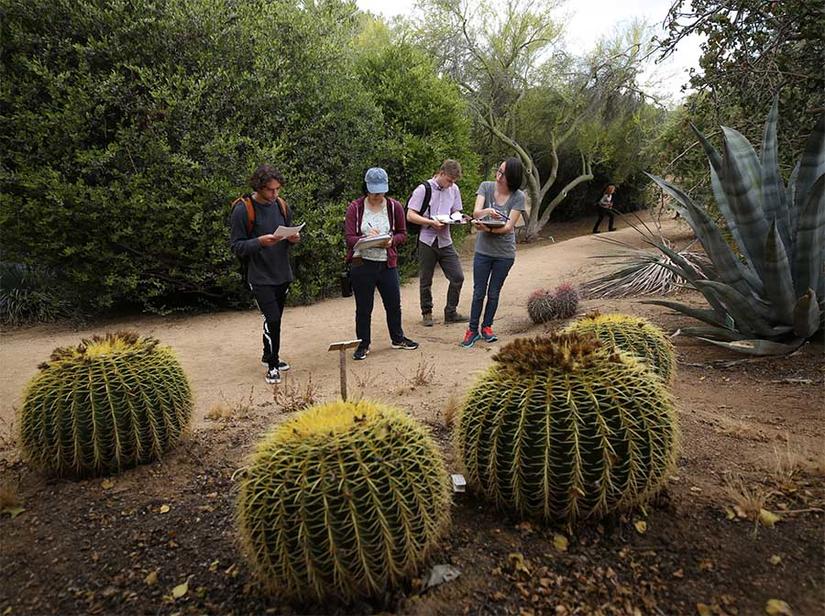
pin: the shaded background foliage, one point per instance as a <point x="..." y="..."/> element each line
<point x="128" y="128"/>
<point x="754" y="50"/>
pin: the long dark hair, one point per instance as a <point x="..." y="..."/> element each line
<point x="513" y="173"/>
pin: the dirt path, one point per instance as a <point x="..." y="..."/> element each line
<point x="752" y="433"/>
<point x="220" y="352"/>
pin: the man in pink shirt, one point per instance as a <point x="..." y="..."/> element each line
<point x="435" y="246"/>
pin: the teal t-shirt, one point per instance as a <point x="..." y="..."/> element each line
<point x="499" y="244"/>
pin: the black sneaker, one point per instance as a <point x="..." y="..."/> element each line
<point x="361" y="353"/>
<point x="273" y="376"/>
<point x="454" y="317"/>
<point x="282" y="365"/>
<point x="406" y="344"/>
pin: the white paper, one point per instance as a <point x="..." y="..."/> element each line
<point x="283" y="231"/>
<point x="456" y="218"/>
<point x="371" y="241"/>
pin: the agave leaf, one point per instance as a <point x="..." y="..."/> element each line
<point x="717" y="333"/>
<point x="810" y="241"/>
<point x="729" y="269"/>
<point x="708" y="316"/>
<point x="748" y="315"/>
<point x="773" y="189"/>
<point x="778" y="278"/>
<point x="719" y="192"/>
<point x="793" y="212"/>
<point x="806" y="315"/>
<point x="741" y="182"/>
<point x="758" y="347"/>
<point x="682" y="268"/>
<point x="812" y="163"/>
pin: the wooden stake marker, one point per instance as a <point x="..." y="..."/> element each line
<point x="342" y="347"/>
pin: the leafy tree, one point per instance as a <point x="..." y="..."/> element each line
<point x="754" y="50"/>
<point x="500" y="54"/>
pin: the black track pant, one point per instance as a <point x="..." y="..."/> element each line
<point x="271" y="300"/>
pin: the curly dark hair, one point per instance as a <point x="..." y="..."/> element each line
<point x="263" y="175"/>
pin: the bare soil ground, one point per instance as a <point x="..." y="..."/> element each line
<point x="752" y="442"/>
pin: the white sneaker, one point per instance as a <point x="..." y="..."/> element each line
<point x="273" y="376"/>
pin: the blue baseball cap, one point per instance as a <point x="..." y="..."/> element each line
<point x="377" y="180"/>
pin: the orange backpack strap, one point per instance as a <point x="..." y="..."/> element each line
<point x="250" y="211"/>
<point x="284" y="207"/>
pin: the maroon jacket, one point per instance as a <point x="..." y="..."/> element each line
<point x="398" y="227"/>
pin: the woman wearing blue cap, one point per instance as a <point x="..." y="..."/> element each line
<point x="376" y="266"/>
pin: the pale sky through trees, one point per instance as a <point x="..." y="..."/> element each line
<point x="591" y="19"/>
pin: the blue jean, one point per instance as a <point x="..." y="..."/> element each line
<point x="365" y="279"/>
<point x="489" y="274"/>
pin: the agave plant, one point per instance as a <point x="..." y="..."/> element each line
<point x="766" y="295"/>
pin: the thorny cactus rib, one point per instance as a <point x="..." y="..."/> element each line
<point x="562" y="428"/>
<point x="634" y="335"/>
<point x="110" y="403"/>
<point x="345" y="500"/>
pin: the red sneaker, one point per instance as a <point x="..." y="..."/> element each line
<point x="470" y="338"/>
<point x="488" y="335"/>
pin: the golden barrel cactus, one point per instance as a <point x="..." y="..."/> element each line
<point x="563" y="427"/>
<point x="634" y="335"/>
<point x="110" y="403"/>
<point x="345" y="500"/>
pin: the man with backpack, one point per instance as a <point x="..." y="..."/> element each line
<point x="438" y="196"/>
<point x="265" y="257"/>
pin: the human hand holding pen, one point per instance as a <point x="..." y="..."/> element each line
<point x="373" y="230"/>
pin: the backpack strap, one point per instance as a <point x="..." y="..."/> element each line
<point x="428" y="195"/>
<point x="284" y="207"/>
<point x="250" y="210"/>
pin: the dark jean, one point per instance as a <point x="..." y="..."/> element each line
<point x="365" y="279"/>
<point x="489" y="274"/>
<point x="447" y="257"/>
<point x="603" y="211"/>
<point x="271" y="300"/>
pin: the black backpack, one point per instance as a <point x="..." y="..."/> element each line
<point x="414" y="228"/>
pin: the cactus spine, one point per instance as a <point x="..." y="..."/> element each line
<point x="562" y="428"/>
<point x="544" y="305"/>
<point x="108" y="404"/>
<point x="345" y="500"/>
<point x="634" y="335"/>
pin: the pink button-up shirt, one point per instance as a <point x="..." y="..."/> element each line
<point x="443" y="201"/>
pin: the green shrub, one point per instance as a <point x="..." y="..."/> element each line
<point x="563" y="428"/>
<point x="633" y="335"/>
<point x="127" y="128"/>
<point x="28" y="295"/>
<point x="108" y="404"/>
<point x="345" y="500"/>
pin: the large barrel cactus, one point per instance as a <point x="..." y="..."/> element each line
<point x="563" y="427"/>
<point x="634" y="335"/>
<point x="111" y="402"/>
<point x="344" y="500"/>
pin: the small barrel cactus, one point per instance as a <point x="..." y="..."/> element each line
<point x="634" y="335"/>
<point x="544" y="305"/>
<point x="563" y="427"/>
<point x="112" y="402"/>
<point x="344" y="500"/>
